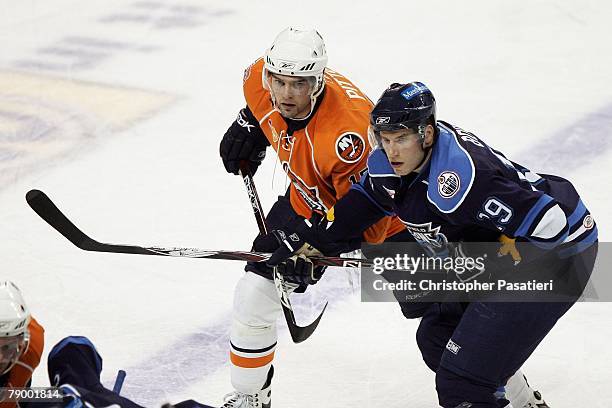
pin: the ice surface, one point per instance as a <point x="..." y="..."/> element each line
<point x="116" y="110"/>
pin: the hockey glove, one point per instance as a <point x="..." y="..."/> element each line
<point x="303" y="238"/>
<point x="295" y="268"/>
<point x="309" y="237"/>
<point x="300" y="270"/>
<point x="243" y="141"/>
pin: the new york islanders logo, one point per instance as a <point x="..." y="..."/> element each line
<point x="350" y="147"/>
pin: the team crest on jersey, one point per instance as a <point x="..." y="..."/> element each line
<point x="588" y="222"/>
<point x="427" y="236"/>
<point x="350" y="147"/>
<point x="286" y="141"/>
<point x="308" y="193"/>
<point x="449" y="184"/>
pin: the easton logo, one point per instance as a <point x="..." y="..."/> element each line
<point x="350" y="147"/>
<point x="448" y="184"/>
<point x="251" y="193"/>
<point x="453" y="347"/>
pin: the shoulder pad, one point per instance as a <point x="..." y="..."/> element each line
<point x="451" y="173"/>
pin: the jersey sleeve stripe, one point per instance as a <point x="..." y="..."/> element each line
<point x="534" y="214"/>
<point x="552" y="223"/>
<point x="579" y="234"/>
<point x="580" y="244"/>
<point x="578" y="214"/>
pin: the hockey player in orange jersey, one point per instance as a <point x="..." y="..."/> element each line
<point x="316" y="120"/>
<point x="21" y="341"/>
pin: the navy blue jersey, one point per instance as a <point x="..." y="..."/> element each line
<point x="469" y="191"/>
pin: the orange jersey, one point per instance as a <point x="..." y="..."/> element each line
<point x="329" y="154"/>
<point x="21" y="373"/>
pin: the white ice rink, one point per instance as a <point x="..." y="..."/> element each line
<point x="116" y="108"/>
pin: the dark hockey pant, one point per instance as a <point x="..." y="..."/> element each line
<point x="475" y="347"/>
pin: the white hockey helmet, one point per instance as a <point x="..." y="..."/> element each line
<point x="297" y="53"/>
<point x="14" y="320"/>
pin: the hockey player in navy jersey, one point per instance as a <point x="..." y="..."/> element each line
<point x="74" y="366"/>
<point x="451" y="189"/>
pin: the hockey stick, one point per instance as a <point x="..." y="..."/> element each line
<point x="298" y="333"/>
<point x="119" y="382"/>
<point x="48" y="211"/>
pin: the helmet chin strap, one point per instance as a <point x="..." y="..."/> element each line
<point x="426" y="154"/>
<point x="426" y="150"/>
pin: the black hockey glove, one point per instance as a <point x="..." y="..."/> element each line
<point x="309" y="237"/>
<point x="300" y="270"/>
<point x="299" y="240"/>
<point x="295" y="268"/>
<point x="243" y="141"/>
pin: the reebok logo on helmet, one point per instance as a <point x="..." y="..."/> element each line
<point x="286" y="65"/>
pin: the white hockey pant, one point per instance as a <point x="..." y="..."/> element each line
<point x="253" y="335"/>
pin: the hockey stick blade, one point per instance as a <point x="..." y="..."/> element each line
<point x="299" y="333"/>
<point x="48" y="211"/>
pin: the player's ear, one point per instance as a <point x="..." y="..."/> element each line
<point x="429" y="136"/>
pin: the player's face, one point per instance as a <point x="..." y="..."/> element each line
<point x="292" y="95"/>
<point x="10" y="351"/>
<point x="404" y="150"/>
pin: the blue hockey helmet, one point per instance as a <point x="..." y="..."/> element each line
<point x="404" y="106"/>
